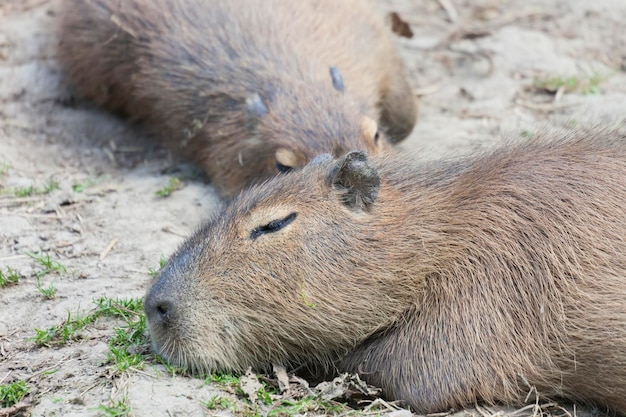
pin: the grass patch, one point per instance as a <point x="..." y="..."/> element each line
<point x="24" y="191"/>
<point x="31" y="190"/>
<point x="313" y="404"/>
<point x="128" y="310"/>
<point x="82" y="186"/>
<point x="49" y="292"/>
<point x="64" y="332"/>
<point x="225" y="379"/>
<point x="49" y="265"/>
<point x="217" y="402"/>
<point x="154" y="272"/>
<point x="127" y="347"/>
<point x="8" y="277"/>
<point x="11" y="394"/>
<point x="4" y="168"/>
<point x="279" y="408"/>
<point x="228" y="381"/>
<point x="172" y="185"/>
<point x="269" y="402"/>
<point x="572" y="84"/>
<point x="119" y="409"/>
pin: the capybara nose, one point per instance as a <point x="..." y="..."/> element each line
<point x="159" y="311"/>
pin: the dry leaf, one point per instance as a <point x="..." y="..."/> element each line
<point x="282" y="377"/>
<point x="399" y="26"/>
<point x="250" y="385"/>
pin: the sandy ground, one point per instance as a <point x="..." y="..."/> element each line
<point x="474" y="66"/>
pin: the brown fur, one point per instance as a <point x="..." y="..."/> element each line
<point x="191" y="70"/>
<point x="444" y="283"/>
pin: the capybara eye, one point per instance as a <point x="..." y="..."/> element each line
<point x="283" y="168"/>
<point x="273" y="226"/>
<point x="376" y="138"/>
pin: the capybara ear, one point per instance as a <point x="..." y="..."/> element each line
<point x="337" y="79"/>
<point x="255" y="107"/>
<point x="356" y="181"/>
<point x="369" y="130"/>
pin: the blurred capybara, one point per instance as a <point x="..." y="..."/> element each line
<point x="245" y="88"/>
<point x="444" y="283"/>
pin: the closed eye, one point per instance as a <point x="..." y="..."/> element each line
<point x="273" y="226"/>
<point x="283" y="168"/>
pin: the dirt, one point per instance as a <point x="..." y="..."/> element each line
<point x="476" y="66"/>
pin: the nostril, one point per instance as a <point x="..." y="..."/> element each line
<point x="159" y="311"/>
<point x="163" y="308"/>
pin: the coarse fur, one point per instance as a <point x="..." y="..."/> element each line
<point x="444" y="283"/>
<point x="232" y="83"/>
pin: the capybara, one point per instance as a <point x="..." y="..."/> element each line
<point x="245" y="88"/>
<point x="444" y="283"/>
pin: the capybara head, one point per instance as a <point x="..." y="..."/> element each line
<point x="285" y="126"/>
<point x="279" y="276"/>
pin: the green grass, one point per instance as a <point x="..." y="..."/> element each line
<point x="24" y="191"/>
<point x="154" y="272"/>
<point x="217" y="402"/>
<point x="8" y="277"/>
<point x="279" y="408"/>
<point x="225" y="381"/>
<point x="119" y="409"/>
<point x="127" y="346"/>
<point x="172" y="185"/>
<point x="11" y="394"/>
<point x="572" y="84"/>
<point x="79" y="187"/>
<point x="287" y="407"/>
<point x="129" y="310"/>
<point x="269" y="402"/>
<point x="4" y="168"/>
<point x="32" y="190"/>
<point x="64" y="332"/>
<point x="49" y="292"/>
<point x="49" y="265"/>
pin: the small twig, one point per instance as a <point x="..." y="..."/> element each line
<point x="450" y="10"/>
<point x="106" y="251"/>
<point x="15" y="409"/>
<point x="380" y="401"/>
<point x="559" y="93"/>
<point x="466" y="114"/>
<point x="55" y="216"/>
<point x="513" y="17"/>
<point x="425" y="91"/>
<point x="10" y="258"/>
<point x="547" y="107"/>
<point x="5" y="377"/>
<point x="170" y="229"/>
<point x="13" y="201"/>
<point x="43" y="371"/>
<point x="89" y="388"/>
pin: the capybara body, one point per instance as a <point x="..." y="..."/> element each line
<point x="243" y="86"/>
<point x="444" y="283"/>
